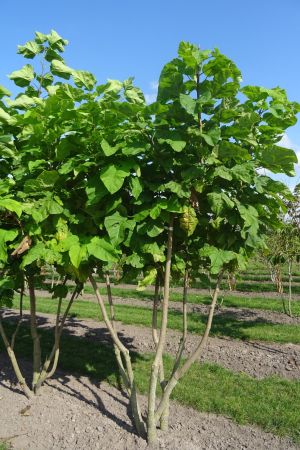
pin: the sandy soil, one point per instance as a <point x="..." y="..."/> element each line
<point x="258" y="359"/>
<point x="76" y="413"/>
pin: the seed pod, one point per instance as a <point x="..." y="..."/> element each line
<point x="188" y="220"/>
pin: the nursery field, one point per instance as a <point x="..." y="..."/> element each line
<point x="149" y="265"/>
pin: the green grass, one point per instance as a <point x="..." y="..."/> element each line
<point x="268" y="304"/>
<point x="222" y="325"/>
<point x="4" y="445"/>
<point x="271" y="403"/>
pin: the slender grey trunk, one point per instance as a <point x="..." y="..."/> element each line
<point x="290" y="287"/>
<point x="180" y="371"/>
<point x="151" y="420"/>
<point x="118" y="355"/>
<point x="34" y="333"/>
<point x="45" y="373"/>
<point x="15" y="365"/>
<point x="139" y="424"/>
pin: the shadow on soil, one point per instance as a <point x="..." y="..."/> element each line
<point x="95" y="360"/>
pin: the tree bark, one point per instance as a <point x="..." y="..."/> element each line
<point x="137" y="417"/>
<point x="13" y="359"/>
<point x="34" y="333"/>
<point x="54" y="355"/>
<point x="194" y="356"/>
<point x="151" y="420"/>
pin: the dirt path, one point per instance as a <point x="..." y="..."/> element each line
<point x="76" y="413"/>
<point x="224" y="293"/>
<point x="257" y="359"/>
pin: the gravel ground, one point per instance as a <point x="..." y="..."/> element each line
<point x="76" y="413"/>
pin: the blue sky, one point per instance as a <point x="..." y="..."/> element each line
<point x="124" y="38"/>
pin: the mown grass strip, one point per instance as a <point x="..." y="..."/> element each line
<point x="226" y="325"/>
<point x="271" y="403"/>
<point x="267" y="304"/>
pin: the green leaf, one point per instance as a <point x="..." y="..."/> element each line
<point x="250" y="216"/>
<point x="279" y="159"/>
<point x="60" y="69"/>
<point x="188" y="103"/>
<point x="35" y="253"/>
<point x="45" y="181"/>
<point x="149" y="278"/>
<point x="22" y="102"/>
<point x="22" y="77"/>
<point x="77" y="253"/>
<point x="113" y="177"/>
<point x="218" y="257"/>
<point x="192" y="55"/>
<point x="135" y="260"/>
<point x="177" y="189"/>
<point x="4" y="92"/>
<point x="173" y="139"/>
<point x="243" y="172"/>
<point x="84" y="79"/>
<point x="170" y="82"/>
<point x="95" y="190"/>
<point x="65" y="244"/>
<point x="212" y="136"/>
<point x="102" y="249"/>
<point x="11" y="205"/>
<point x="219" y="201"/>
<point x="136" y="187"/>
<point x="156" y="251"/>
<point x="30" y="49"/>
<point x="108" y="149"/>
<point x="7" y="118"/>
<point x="223" y="172"/>
<point x="115" y="226"/>
<point x="154" y="230"/>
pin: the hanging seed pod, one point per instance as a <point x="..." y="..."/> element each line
<point x="188" y="220"/>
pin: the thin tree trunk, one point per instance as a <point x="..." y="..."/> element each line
<point x="125" y="352"/>
<point x="184" y="322"/>
<point x="14" y="362"/>
<point x="13" y="339"/>
<point x="34" y="333"/>
<point x="290" y="287"/>
<point x="165" y="415"/>
<point x="118" y="356"/>
<point x="151" y="420"/>
<point x="54" y="355"/>
<point x="194" y="356"/>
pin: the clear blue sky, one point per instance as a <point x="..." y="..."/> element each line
<point x="129" y="37"/>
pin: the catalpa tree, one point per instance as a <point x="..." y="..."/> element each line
<point x="92" y="176"/>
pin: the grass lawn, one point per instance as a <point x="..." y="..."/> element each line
<point x="271" y="403"/>
<point x="222" y="326"/>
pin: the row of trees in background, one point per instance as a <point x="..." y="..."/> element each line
<point x="91" y="176"/>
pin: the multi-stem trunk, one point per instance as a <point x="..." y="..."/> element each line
<point x="34" y="333"/>
<point x="151" y="420"/>
<point x="131" y="388"/>
<point x="14" y="362"/>
<point x="45" y="373"/>
<point x="180" y="371"/>
<point x="122" y="371"/>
